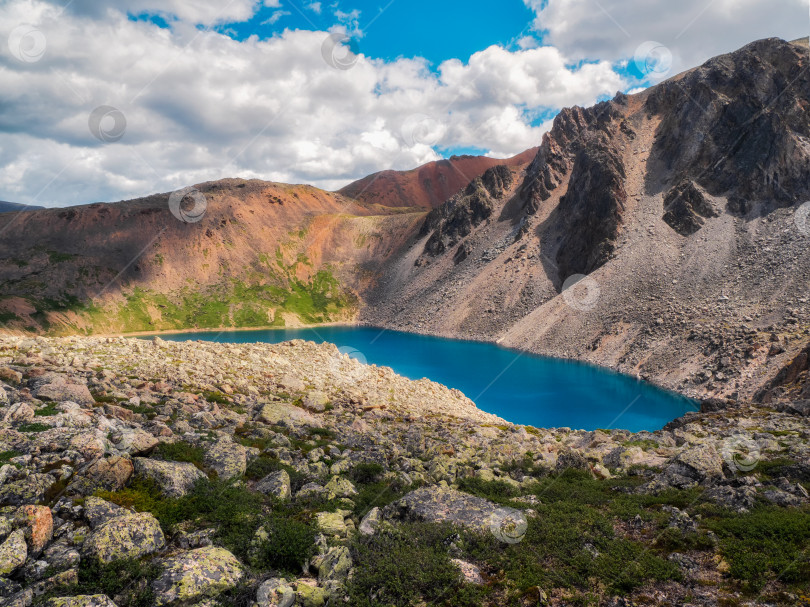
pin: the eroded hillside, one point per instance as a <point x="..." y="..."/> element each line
<point x="681" y="205"/>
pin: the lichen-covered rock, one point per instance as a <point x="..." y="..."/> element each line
<point x="125" y="537"/>
<point x="61" y="391"/>
<point x="436" y="504"/>
<point x="98" y="511"/>
<point x="37" y="523"/>
<point x="175" y="479"/>
<point x="311" y="596"/>
<point x="19" y="412"/>
<point x="334" y="565"/>
<point x="275" y="592"/>
<point x="697" y="464"/>
<point x="13" y="552"/>
<point x="316" y="401"/>
<point x="280" y="413"/>
<point x="370" y="522"/>
<point x="106" y="474"/>
<point x="61" y="555"/>
<point x="339" y="487"/>
<point x="196" y="574"/>
<point x="29" y="490"/>
<point x="276" y="484"/>
<point x="332" y="523"/>
<point x="84" y="600"/>
<point x="134" y="441"/>
<point x="227" y="459"/>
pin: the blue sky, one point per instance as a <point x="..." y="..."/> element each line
<point x="434" y="29"/>
<point x="210" y="89"/>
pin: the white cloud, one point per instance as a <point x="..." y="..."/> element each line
<point x="200" y="105"/>
<point x="315" y="7"/>
<point x="275" y="17"/>
<point x="202" y="12"/>
<point x="693" y="30"/>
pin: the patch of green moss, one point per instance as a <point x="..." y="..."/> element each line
<point x="33" y="427"/>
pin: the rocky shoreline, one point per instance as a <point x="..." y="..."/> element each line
<point x="138" y="473"/>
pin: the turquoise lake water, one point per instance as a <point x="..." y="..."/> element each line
<point x="522" y="388"/>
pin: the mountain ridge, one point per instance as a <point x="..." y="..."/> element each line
<point x="621" y="192"/>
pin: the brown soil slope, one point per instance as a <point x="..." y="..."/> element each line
<point x="262" y="254"/>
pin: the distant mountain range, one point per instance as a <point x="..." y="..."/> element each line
<point x="683" y="206"/>
<point x="10" y="207"/>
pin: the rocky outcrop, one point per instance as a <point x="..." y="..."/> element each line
<point x="686" y="207"/>
<point x="591" y="210"/>
<point x="454" y="220"/>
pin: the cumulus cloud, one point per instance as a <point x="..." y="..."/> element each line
<point x="692" y="30"/>
<point x="200" y="12"/>
<point x="199" y="106"/>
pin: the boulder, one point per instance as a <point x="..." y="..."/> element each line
<point x="130" y="536"/>
<point x="196" y="574"/>
<point x="98" y="511"/>
<point x="370" y="522"/>
<point x="227" y="459"/>
<point x="37" y="523"/>
<point x="334" y="565"/>
<point x="134" y="441"/>
<point x="276" y="484"/>
<point x="18" y="413"/>
<point x="316" y="401"/>
<point x="13" y="552"/>
<point x="281" y="413"/>
<point x="275" y="592"/>
<point x="175" y="479"/>
<point x="332" y="523"/>
<point x="29" y="490"/>
<point x="436" y="504"/>
<point x="699" y="464"/>
<point x="339" y="487"/>
<point x="311" y="596"/>
<point x="106" y="473"/>
<point x="61" y="391"/>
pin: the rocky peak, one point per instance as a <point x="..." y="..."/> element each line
<point x="738" y="126"/>
<point x="456" y="218"/>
